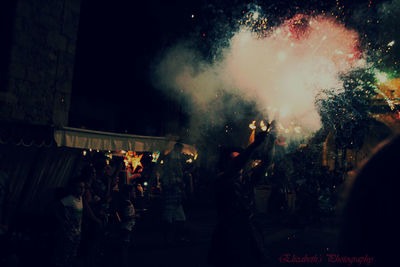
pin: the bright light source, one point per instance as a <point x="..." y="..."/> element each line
<point x="256" y="15"/>
<point x="145" y="183"/>
<point x="391" y="43"/>
<point x="381" y="76"/>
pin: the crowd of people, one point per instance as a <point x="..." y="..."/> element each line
<point x="97" y="208"/>
<point x="97" y="212"/>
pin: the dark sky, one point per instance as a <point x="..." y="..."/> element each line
<point x="117" y="42"/>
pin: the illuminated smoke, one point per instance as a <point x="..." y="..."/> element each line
<point x="283" y="69"/>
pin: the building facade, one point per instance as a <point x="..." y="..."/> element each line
<point x="38" y="61"/>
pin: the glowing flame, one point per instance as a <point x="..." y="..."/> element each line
<point x="263" y="126"/>
<point x="253" y="125"/>
<point x="391" y="43"/>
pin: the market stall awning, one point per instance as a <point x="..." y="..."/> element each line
<point x="97" y="140"/>
<point x="27" y="135"/>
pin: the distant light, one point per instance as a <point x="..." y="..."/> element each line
<point x="145" y="183"/>
<point x="192" y="16"/>
<point x="123" y="151"/>
<point x="84" y="152"/>
<point x="381" y="76"/>
<point x="391" y="43"/>
<point x="256" y="15"/>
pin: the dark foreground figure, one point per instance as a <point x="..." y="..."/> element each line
<point x="236" y="240"/>
<point x="371" y="221"/>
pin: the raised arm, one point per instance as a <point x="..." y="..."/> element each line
<point x="239" y="161"/>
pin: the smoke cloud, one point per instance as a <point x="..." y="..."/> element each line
<point x="283" y="70"/>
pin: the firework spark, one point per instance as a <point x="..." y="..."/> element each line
<point x="292" y="63"/>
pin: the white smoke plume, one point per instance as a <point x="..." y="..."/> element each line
<point x="284" y="70"/>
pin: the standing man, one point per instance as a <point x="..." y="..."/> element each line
<point x="172" y="188"/>
<point x="236" y="240"/>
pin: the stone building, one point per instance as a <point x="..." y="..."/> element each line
<point x="37" y="60"/>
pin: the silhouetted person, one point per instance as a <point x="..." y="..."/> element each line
<point x="68" y="212"/>
<point x="126" y="221"/>
<point x="371" y="221"/>
<point x="236" y="241"/>
<point x="172" y="188"/>
<point x="92" y="221"/>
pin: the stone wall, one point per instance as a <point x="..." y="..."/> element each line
<point x="41" y="62"/>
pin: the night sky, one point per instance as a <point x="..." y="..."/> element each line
<point x="119" y="41"/>
<point x="116" y="45"/>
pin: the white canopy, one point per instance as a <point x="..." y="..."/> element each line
<point x="97" y="140"/>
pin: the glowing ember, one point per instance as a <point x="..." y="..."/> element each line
<point x="263" y="126"/>
<point x="253" y="125"/>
